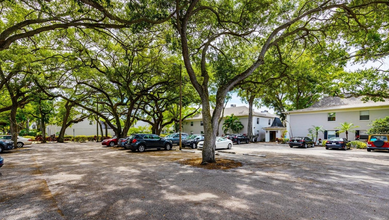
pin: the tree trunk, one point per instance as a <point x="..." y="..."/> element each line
<point x="101" y="131"/>
<point x="13" y="123"/>
<point x="250" y="122"/>
<point x="208" y="152"/>
<point x="64" y="122"/>
<point x="43" y="126"/>
<point x="106" y="129"/>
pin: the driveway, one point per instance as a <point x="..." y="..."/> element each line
<point x="89" y="181"/>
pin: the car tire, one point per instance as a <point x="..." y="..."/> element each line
<point x="237" y="141"/>
<point x="20" y="144"/>
<point x="326" y="148"/>
<point x="111" y="144"/>
<point x="194" y="146"/>
<point x="290" y="146"/>
<point x="141" y="148"/>
<point x="168" y="147"/>
<point x="312" y="145"/>
<point x="247" y="141"/>
<point x="368" y="150"/>
<point x="1" y="149"/>
<point x="229" y="146"/>
<point x="306" y="145"/>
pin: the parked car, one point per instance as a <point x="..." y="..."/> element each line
<point x="378" y="142"/>
<point x="141" y="142"/>
<point x="110" y="141"/>
<point x="192" y="140"/>
<point x="6" y="145"/>
<point x="337" y="143"/>
<point x="175" y="137"/>
<point x="21" y="141"/>
<point x="238" y="138"/>
<point x="301" y="142"/>
<point x="221" y="143"/>
<point x="122" y="141"/>
<point x="1" y="161"/>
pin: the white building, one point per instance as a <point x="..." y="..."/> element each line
<point x="261" y="120"/>
<point x="330" y="112"/>
<point x="85" y="127"/>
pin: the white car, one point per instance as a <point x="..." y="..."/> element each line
<point x="221" y="143"/>
<point x="21" y="140"/>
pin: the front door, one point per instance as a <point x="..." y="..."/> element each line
<point x="272" y="136"/>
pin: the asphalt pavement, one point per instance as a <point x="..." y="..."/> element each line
<point x="90" y="181"/>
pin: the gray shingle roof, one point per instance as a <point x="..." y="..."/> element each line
<point x="239" y="111"/>
<point x="337" y="103"/>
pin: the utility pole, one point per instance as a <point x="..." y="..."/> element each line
<point x="180" y="106"/>
<point x="97" y="120"/>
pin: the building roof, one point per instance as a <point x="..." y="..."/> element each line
<point x="239" y="111"/>
<point x="337" y="103"/>
<point x="277" y="123"/>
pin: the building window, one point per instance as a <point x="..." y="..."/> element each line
<point x="364" y="115"/>
<point x="257" y="121"/>
<point x="332" y="116"/>
<point x="201" y="123"/>
<point x="331" y="134"/>
<point x="269" y="122"/>
<point x="191" y="123"/>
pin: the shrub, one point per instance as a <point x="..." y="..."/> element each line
<point x="30" y="137"/>
<point x="324" y="143"/>
<point x="282" y="140"/>
<point x="357" y="144"/>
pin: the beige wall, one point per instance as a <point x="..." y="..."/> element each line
<point x="299" y="123"/>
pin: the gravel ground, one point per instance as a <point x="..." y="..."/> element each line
<point x="89" y="181"/>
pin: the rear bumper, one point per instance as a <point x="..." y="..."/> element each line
<point x="336" y="146"/>
<point x="378" y="148"/>
<point x="296" y="144"/>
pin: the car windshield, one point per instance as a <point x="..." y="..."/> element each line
<point x="378" y="137"/>
<point x="336" y="139"/>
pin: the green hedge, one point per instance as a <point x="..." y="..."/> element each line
<point x="357" y="144"/>
<point x="282" y="140"/>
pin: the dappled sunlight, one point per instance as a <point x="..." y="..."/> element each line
<point x="191" y="197"/>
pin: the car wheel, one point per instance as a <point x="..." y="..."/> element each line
<point x="141" y="148"/>
<point x="168" y="147"/>
<point x="312" y="145"/>
<point x="111" y="144"/>
<point x="290" y="146"/>
<point x="345" y="147"/>
<point x="1" y="149"/>
<point x="20" y="144"/>
<point x="247" y="141"/>
<point x="229" y="146"/>
<point x="326" y="148"/>
<point x="306" y="145"/>
<point x="194" y="145"/>
<point x="368" y="150"/>
<point x="238" y="142"/>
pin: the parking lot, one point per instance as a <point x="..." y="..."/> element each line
<point x="89" y="181"/>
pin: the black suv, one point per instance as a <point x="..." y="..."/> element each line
<point x="141" y="142"/>
<point x="238" y="138"/>
<point x="192" y="141"/>
<point x="301" y="142"/>
<point x="175" y="138"/>
<point x="6" y="145"/>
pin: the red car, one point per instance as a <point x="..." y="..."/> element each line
<point x="110" y="141"/>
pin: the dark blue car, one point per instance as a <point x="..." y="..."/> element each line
<point x="141" y="142"/>
<point x="1" y="161"/>
<point x="6" y="145"/>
